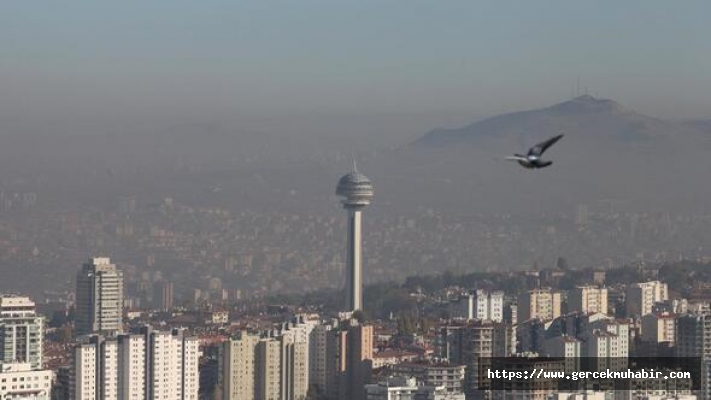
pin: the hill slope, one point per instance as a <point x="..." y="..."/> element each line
<point x="608" y="151"/>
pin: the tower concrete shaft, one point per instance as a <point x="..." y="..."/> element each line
<point x="354" y="273"/>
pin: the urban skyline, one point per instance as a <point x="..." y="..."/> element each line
<point x="170" y="228"/>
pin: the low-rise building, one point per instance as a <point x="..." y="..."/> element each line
<point x="404" y="388"/>
<point x="20" y="381"/>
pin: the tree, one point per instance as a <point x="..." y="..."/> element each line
<point x="563" y="264"/>
<point x="359" y="316"/>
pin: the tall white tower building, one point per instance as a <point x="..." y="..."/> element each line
<point x="21" y="332"/>
<point x="99" y="300"/>
<point x="357" y="192"/>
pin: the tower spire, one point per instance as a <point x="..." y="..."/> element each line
<point x="355" y="166"/>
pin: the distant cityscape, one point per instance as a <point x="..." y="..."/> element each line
<point x="202" y="250"/>
<point x="121" y="332"/>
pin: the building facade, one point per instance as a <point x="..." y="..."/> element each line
<point x="588" y="299"/>
<point x="21" y="331"/>
<point x="641" y="297"/>
<point x="20" y="381"/>
<point x="539" y="303"/>
<point x="150" y="365"/>
<point x="407" y="388"/>
<point x="480" y="304"/>
<point x="99" y="297"/>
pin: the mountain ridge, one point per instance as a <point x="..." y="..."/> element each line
<point x="581" y="115"/>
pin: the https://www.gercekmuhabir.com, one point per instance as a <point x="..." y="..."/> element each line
<point x="581" y="375"/>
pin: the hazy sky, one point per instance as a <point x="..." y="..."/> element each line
<point x="84" y="61"/>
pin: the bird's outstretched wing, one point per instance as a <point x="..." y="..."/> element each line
<point x="516" y="158"/>
<point x="540" y="148"/>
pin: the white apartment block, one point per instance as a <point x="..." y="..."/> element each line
<point x="273" y="367"/>
<point x="538" y="303"/>
<point x="658" y="327"/>
<point x="238" y="361"/>
<point x="18" y="381"/>
<point x="294" y="365"/>
<point x="588" y="299"/>
<point x="641" y="297"/>
<point x="153" y="365"/>
<point x="21" y="331"/>
<point x="608" y="342"/>
<point x="268" y="369"/>
<point x="318" y="356"/>
<point x="480" y="305"/>
<point x="131" y="352"/>
<point x="99" y="297"/>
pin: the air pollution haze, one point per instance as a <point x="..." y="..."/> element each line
<point x="354" y="200"/>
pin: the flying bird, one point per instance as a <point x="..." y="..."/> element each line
<point x="532" y="160"/>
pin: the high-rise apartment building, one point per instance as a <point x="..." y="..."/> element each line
<point x="607" y="343"/>
<point x="693" y="335"/>
<point x="349" y="361"/>
<point x="268" y="369"/>
<point x="294" y="365"/>
<point x="237" y="370"/>
<point x="472" y="345"/>
<point x="99" y="297"/>
<point x="131" y="352"/>
<point x="658" y="328"/>
<point x="588" y="299"/>
<point x="336" y="364"/>
<point x="151" y="365"/>
<point x="693" y="340"/>
<point x="163" y="296"/>
<point x="480" y="304"/>
<point x="538" y="303"/>
<point x="567" y="347"/>
<point x="273" y="366"/>
<point x="21" y="332"/>
<point x="318" y="357"/>
<point x="641" y="297"/>
<point x="519" y="386"/>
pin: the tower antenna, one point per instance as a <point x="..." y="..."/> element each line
<point x="577" y="87"/>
